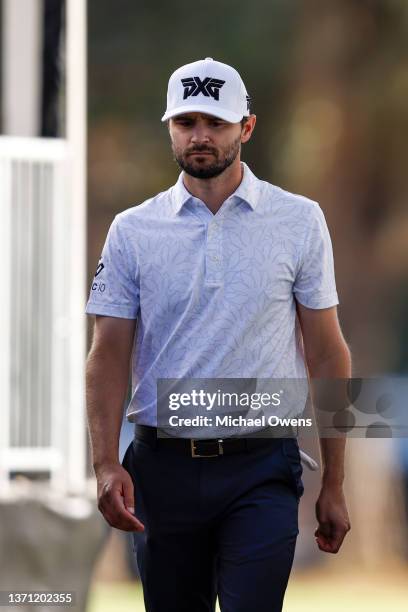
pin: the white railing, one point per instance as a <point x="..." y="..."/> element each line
<point x="41" y="333"/>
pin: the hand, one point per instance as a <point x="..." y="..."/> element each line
<point x="332" y="516"/>
<point x="116" y="497"/>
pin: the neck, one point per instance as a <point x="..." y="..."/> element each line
<point x="213" y="192"/>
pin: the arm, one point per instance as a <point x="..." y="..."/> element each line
<point x="327" y="356"/>
<point x="107" y="376"/>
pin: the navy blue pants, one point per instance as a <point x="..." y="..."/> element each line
<point x="217" y="526"/>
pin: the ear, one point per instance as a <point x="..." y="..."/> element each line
<point x="248" y="128"/>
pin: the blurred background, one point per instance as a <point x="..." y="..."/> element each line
<point x="83" y="87"/>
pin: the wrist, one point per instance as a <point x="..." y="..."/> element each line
<point x="102" y="464"/>
<point x="332" y="481"/>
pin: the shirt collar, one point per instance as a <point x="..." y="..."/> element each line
<point x="248" y="191"/>
<point x="179" y="195"/>
<point x="249" y="188"/>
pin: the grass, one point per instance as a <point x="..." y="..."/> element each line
<point x="311" y="591"/>
<point x="116" y="597"/>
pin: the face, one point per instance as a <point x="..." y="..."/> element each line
<point x="203" y="145"/>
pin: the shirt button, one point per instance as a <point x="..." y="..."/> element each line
<point x="215" y="258"/>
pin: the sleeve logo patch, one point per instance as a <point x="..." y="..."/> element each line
<point x="99" y="268"/>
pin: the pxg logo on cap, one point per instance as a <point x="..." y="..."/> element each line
<point x="208" y="87"/>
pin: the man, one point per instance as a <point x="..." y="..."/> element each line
<point x="213" y="278"/>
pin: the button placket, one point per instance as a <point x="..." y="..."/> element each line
<point x="213" y="253"/>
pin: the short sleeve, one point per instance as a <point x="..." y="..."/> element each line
<point x="115" y="287"/>
<point x="315" y="285"/>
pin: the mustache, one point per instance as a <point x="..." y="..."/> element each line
<point x="201" y="149"/>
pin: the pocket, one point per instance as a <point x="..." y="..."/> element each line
<point x="126" y="457"/>
<point x="135" y="449"/>
<point x="141" y="447"/>
<point x="290" y="450"/>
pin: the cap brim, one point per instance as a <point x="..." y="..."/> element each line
<point x="220" y="113"/>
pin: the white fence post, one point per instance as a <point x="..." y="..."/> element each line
<point x="42" y="415"/>
<point x="76" y="135"/>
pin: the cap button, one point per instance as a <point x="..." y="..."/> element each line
<point x="209" y="58"/>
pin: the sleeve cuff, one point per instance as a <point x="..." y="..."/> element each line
<point x="317" y="301"/>
<point x="111" y="310"/>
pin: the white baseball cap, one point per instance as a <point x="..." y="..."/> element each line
<point x="208" y="87"/>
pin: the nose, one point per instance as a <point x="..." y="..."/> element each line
<point x="200" y="133"/>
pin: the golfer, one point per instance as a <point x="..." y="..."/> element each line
<point x="224" y="276"/>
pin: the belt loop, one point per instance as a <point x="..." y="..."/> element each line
<point x="153" y="437"/>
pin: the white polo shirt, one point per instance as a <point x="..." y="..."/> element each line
<point x="214" y="295"/>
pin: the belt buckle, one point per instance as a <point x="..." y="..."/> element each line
<point x="195" y="454"/>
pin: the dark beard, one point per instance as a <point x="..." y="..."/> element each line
<point x="212" y="170"/>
